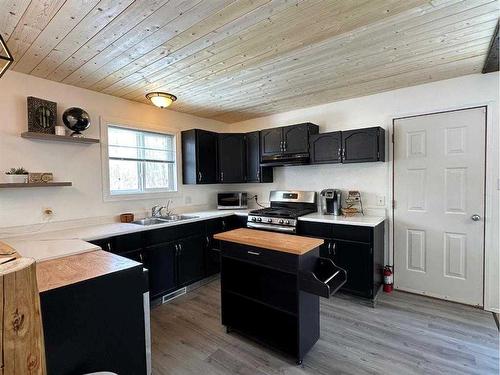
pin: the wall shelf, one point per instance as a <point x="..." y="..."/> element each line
<point x="57" y="138"/>
<point x="10" y="185"/>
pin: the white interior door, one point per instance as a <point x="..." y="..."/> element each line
<point x="439" y="173"/>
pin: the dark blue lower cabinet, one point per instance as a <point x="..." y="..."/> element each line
<point x="96" y="325"/>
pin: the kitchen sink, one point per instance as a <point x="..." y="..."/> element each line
<point x="162" y="219"/>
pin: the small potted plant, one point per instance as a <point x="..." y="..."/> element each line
<point x="17" y="175"/>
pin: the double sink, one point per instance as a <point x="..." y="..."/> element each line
<point x="162" y="219"/>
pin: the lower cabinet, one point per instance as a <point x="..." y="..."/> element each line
<point x="358" y="250"/>
<point x="160" y="260"/>
<point x="190" y="260"/>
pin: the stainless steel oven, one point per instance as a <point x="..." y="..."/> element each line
<point x="232" y="200"/>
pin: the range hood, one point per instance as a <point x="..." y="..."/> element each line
<point x="284" y="159"/>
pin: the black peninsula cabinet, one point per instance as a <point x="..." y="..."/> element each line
<point x="232" y="157"/>
<point x="199" y="157"/>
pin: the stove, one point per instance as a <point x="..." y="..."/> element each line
<point x="286" y="207"/>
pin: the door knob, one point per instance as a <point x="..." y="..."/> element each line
<point x="475" y="217"/>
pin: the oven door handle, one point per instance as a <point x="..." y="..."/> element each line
<point x="277" y="228"/>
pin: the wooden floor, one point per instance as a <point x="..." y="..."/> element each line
<point x="404" y="334"/>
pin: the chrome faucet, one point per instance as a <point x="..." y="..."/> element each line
<point x="156" y="210"/>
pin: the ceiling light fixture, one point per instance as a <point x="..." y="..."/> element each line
<point x="161" y="99"/>
<point x="6" y="58"/>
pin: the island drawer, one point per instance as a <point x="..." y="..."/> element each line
<point x="273" y="259"/>
<point x="324" y="280"/>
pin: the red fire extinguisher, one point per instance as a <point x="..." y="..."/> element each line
<point x="388" y="283"/>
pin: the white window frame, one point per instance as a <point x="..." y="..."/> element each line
<point x="135" y="194"/>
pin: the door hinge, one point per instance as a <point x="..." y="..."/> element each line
<point x="393" y="203"/>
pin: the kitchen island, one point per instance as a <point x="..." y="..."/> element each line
<point x="270" y="287"/>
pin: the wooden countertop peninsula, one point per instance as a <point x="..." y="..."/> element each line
<point x="286" y="243"/>
<point x="56" y="273"/>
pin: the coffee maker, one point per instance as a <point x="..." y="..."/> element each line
<point x="331" y="202"/>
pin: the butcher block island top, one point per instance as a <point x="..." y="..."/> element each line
<point x="286" y="243"/>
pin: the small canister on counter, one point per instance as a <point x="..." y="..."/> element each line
<point x="127" y="217"/>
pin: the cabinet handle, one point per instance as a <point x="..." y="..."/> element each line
<point x="258" y="175"/>
<point x="208" y="241"/>
<point x="334" y="247"/>
<point x="339" y="153"/>
<point x="343" y="154"/>
<point x="285" y="145"/>
<point x="199" y="176"/>
<point x="222" y="176"/>
<point x="108" y="245"/>
<point x="141" y="257"/>
<point x="253" y="252"/>
<point x="281" y="146"/>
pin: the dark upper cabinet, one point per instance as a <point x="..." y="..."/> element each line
<point x="190" y="260"/>
<point x="160" y="261"/>
<point x="296" y="138"/>
<point x="199" y="157"/>
<point x="271" y="141"/>
<point x="232" y="158"/>
<point x="326" y="148"/>
<point x="363" y="145"/>
<point x="256" y="173"/>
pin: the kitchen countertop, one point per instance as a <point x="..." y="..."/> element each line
<point x="67" y="270"/>
<point x="362" y="221"/>
<point x="286" y="243"/>
<point x="55" y="244"/>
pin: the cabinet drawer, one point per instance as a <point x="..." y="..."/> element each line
<point x="275" y="259"/>
<point x="162" y="235"/>
<point x="337" y="231"/>
<point x="127" y="243"/>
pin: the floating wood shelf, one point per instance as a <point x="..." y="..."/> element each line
<point x="15" y="185"/>
<point x="58" y="138"/>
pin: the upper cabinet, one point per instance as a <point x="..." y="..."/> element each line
<point x="363" y="145"/>
<point x="271" y="141"/>
<point x="351" y="146"/>
<point x="256" y="173"/>
<point x="288" y="145"/>
<point x="326" y="148"/>
<point x="199" y="157"/>
<point x="232" y="158"/>
<point x="296" y="138"/>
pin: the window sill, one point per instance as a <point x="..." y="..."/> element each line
<point x="140" y="196"/>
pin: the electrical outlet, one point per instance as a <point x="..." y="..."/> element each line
<point x="380" y="200"/>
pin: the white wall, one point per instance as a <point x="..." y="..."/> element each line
<point x="80" y="164"/>
<point x="374" y="179"/>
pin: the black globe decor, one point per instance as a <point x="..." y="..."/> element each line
<point x="77" y="120"/>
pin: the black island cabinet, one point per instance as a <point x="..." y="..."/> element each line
<point x="272" y="296"/>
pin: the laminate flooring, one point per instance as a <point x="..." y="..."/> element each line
<point x="404" y="334"/>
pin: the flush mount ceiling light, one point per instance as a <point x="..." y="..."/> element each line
<point x="6" y="58"/>
<point x="161" y="99"/>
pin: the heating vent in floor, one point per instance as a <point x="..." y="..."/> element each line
<point x="171" y="296"/>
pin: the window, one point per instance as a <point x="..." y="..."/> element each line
<point x="140" y="161"/>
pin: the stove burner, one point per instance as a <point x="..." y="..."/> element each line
<point x="281" y="212"/>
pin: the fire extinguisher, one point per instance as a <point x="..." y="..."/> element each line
<point x="388" y="283"/>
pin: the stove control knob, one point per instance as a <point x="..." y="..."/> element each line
<point x="254" y="219"/>
<point x="281" y="221"/>
<point x="269" y="220"/>
<point x="259" y="219"/>
<point x="287" y="222"/>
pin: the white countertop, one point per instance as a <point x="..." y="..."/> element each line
<point x="362" y="221"/>
<point x="55" y="244"/>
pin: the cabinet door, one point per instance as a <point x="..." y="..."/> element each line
<point x="296" y="138"/>
<point x="232" y="158"/>
<point x="270" y="141"/>
<point x="160" y="261"/>
<point x="361" y="145"/>
<point x="326" y="148"/>
<point x="206" y="157"/>
<point x="253" y="157"/>
<point x="190" y="260"/>
<point x="355" y="258"/>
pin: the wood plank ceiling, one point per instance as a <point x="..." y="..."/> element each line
<point x="233" y="60"/>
